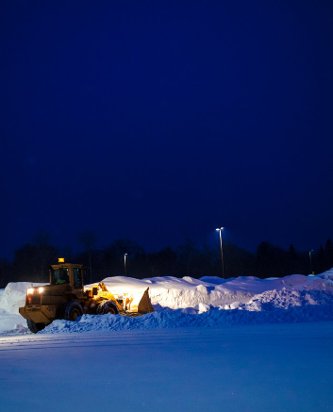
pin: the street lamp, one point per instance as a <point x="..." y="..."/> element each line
<point x="219" y="229"/>
<point x="310" y="258"/>
<point x="125" y="263"/>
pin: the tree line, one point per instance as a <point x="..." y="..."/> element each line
<point x="32" y="260"/>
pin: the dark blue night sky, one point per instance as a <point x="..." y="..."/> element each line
<point x="159" y="121"/>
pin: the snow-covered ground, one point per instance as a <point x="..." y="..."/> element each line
<point x="258" y="368"/>
<point x="242" y="344"/>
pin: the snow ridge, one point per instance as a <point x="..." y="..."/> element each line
<point x="190" y="302"/>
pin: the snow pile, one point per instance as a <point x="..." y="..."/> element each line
<point x="13" y="296"/>
<point x="187" y="292"/>
<point x="205" y="302"/>
<point x="286" y="298"/>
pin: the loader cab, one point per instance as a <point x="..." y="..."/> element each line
<point x="59" y="276"/>
<point x="67" y="274"/>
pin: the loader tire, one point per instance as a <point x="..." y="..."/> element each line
<point x="73" y="311"/>
<point x="35" y="327"/>
<point x="107" y="307"/>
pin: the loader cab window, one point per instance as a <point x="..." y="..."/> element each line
<point x="59" y="276"/>
<point x="77" y="272"/>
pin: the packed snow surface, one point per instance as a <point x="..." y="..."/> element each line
<point x="185" y="302"/>
<point x="257" y="368"/>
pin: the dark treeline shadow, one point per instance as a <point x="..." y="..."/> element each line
<point x="31" y="261"/>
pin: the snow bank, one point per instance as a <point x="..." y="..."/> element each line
<point x="11" y="298"/>
<point x="179" y="318"/>
<point x="205" y="302"/>
<point x="177" y="293"/>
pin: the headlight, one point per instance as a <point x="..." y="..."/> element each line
<point x="30" y="291"/>
<point x="41" y="290"/>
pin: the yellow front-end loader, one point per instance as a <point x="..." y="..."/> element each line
<point x="66" y="298"/>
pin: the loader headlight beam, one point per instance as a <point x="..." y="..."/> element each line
<point x="31" y="291"/>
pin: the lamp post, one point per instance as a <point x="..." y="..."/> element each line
<point x="125" y="263"/>
<point x="219" y="229"/>
<point x="310" y="258"/>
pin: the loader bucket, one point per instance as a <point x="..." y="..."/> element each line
<point x="145" y="305"/>
<point x="132" y="301"/>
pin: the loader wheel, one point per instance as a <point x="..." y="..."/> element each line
<point x="73" y="311"/>
<point x="107" y="307"/>
<point x="35" y="327"/>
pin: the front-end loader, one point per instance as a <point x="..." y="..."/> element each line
<point x="66" y="298"/>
